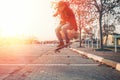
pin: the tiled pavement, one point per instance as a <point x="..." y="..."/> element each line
<point x="41" y="63"/>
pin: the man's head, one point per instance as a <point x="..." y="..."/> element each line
<point x="61" y="5"/>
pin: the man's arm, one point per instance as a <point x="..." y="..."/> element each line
<point x="54" y="15"/>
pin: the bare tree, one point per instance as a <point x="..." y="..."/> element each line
<point x="104" y="6"/>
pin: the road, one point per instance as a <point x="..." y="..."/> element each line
<point x="39" y="62"/>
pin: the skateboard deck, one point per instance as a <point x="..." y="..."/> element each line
<point x="64" y="46"/>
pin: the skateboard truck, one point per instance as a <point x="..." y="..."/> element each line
<point x="58" y="49"/>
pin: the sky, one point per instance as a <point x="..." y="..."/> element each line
<point x="28" y="18"/>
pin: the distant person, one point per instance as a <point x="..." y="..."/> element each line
<point x="67" y="22"/>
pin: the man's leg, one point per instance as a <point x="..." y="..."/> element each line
<point x="59" y="36"/>
<point x="64" y="29"/>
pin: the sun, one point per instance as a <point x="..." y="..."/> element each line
<point x="12" y="31"/>
<point x="7" y="32"/>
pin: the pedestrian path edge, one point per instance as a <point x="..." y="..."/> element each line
<point x="108" y="62"/>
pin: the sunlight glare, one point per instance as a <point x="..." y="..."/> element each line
<point x="27" y="17"/>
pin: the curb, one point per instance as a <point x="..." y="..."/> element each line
<point x="108" y="62"/>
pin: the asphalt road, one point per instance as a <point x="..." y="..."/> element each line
<point x="39" y="62"/>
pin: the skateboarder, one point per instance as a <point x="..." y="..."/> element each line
<point x="67" y="22"/>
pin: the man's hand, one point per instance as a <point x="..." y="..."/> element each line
<point x="54" y="15"/>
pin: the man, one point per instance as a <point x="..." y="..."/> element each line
<point x="67" y="22"/>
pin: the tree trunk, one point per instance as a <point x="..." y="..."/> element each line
<point x="106" y="40"/>
<point x="80" y="36"/>
<point x="100" y="25"/>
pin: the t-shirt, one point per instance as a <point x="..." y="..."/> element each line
<point x="67" y="15"/>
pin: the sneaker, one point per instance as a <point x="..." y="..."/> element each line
<point x="67" y="42"/>
<point x="61" y="44"/>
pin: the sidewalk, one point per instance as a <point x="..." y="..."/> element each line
<point x="109" y="58"/>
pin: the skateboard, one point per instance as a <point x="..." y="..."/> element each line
<point x="64" y="46"/>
